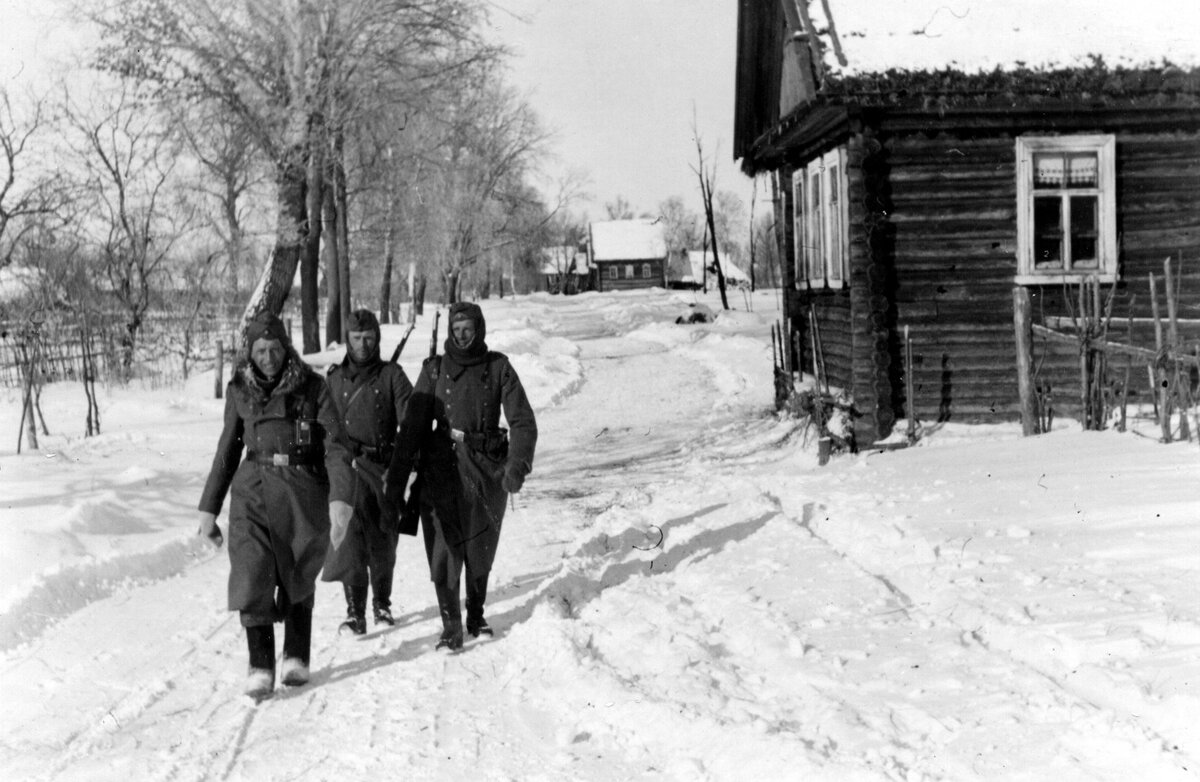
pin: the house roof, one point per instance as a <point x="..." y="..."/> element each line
<point x="932" y="57"/>
<point x="688" y="268"/>
<point x="564" y="259"/>
<point x="628" y="240"/>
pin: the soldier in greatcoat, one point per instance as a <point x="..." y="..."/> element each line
<point x="370" y="395"/>
<point x="288" y="497"/>
<point x="466" y="464"/>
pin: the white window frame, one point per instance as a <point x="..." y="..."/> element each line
<point x="614" y="273"/>
<point x="645" y="271"/>
<point x="1104" y="147"/>
<point x="821" y="222"/>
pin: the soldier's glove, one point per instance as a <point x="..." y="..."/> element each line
<point x="511" y="482"/>
<point x="209" y="530"/>
<point x="339" y="521"/>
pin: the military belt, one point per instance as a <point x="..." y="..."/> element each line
<point x="380" y="454"/>
<point x="280" y="459"/>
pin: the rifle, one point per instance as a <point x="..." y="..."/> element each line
<point x="403" y="341"/>
<point x="433" y="340"/>
<point x="410" y="514"/>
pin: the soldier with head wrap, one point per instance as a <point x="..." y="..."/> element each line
<point x="370" y="395"/>
<point x="288" y="497"/>
<point x="467" y="464"/>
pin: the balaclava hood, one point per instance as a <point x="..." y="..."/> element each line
<point x="477" y="350"/>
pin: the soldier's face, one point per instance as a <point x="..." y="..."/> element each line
<point x="363" y="344"/>
<point x="267" y="355"/>
<point x="463" y="332"/>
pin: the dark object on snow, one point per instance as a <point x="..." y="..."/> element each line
<point x="356" y="609"/>
<point x="698" y="314"/>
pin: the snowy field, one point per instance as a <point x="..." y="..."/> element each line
<point x="681" y="592"/>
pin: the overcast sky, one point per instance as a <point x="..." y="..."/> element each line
<point x="623" y="84"/>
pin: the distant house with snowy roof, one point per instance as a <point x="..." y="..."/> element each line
<point x="694" y="269"/>
<point x="916" y="196"/>
<point x="565" y="269"/>
<point x="627" y="254"/>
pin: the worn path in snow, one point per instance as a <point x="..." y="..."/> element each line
<point x="681" y="594"/>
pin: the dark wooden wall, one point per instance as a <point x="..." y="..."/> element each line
<point x="657" y="276"/>
<point x="933" y="229"/>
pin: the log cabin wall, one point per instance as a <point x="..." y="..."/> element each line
<point x="657" y="276"/>
<point x="939" y="213"/>
<point x="1158" y="216"/>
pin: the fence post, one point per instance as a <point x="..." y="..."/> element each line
<point x="1023" y="327"/>
<point x="218" y="375"/>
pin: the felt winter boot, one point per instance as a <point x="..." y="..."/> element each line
<point x="452" y="631"/>
<point x="260" y="679"/>
<point x="297" y="638"/>
<point x="381" y="600"/>
<point x="356" y="609"/>
<point x="476" y="596"/>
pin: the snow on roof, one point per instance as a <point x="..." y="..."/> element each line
<point x="971" y="36"/>
<point x="561" y="259"/>
<point x="622" y="240"/>
<point x="691" y="270"/>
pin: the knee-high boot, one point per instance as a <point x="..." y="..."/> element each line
<point x="381" y="598"/>
<point x="452" y="632"/>
<point x="356" y="609"/>
<point x="297" y="640"/>
<point x="476" y="596"/>
<point x="260" y="641"/>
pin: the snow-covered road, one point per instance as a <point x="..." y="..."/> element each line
<point x="681" y="593"/>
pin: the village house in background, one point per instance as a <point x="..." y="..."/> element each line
<point x="933" y="200"/>
<point x="565" y="269"/>
<point x="695" y="270"/>
<point x="627" y="254"/>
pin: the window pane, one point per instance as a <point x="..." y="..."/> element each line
<point x="1047" y="170"/>
<point x="646" y="270"/>
<point x="1083" y="232"/>
<point x="1082" y="170"/>
<point x="816" y="244"/>
<point x="629" y="271"/>
<point x="1047" y="233"/>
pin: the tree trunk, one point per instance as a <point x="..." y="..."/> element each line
<point x="310" y="297"/>
<point x="342" y="227"/>
<point x="333" y="273"/>
<point x="389" y="262"/>
<point x="291" y="180"/>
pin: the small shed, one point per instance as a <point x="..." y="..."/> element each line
<point x="628" y="254"/>
<point x="925" y="199"/>
<point x="565" y="269"/>
<point x="695" y="269"/>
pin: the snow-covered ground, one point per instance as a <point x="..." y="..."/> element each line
<point x="681" y="592"/>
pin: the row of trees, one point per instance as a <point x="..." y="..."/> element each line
<point x="226" y="148"/>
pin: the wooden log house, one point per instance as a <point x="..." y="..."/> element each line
<point x="627" y="254"/>
<point x="920" y="199"/>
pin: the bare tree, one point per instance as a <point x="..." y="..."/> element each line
<point x="28" y="198"/>
<point x="126" y="158"/>
<point x="274" y="65"/>
<point x="705" y="174"/>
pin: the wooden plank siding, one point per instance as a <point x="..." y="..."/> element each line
<point x="933" y="245"/>
<point x="657" y="278"/>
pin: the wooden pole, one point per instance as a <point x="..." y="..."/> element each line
<point x="909" y="404"/>
<point x="1159" y="376"/>
<point x="219" y="372"/>
<point x="1023" y="328"/>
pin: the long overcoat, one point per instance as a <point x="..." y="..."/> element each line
<point x="278" y="513"/>
<point x="371" y="402"/>
<point x="462" y="500"/>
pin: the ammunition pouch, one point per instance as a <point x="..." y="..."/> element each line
<point x="491" y="442"/>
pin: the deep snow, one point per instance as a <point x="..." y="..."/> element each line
<point x="681" y="592"/>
